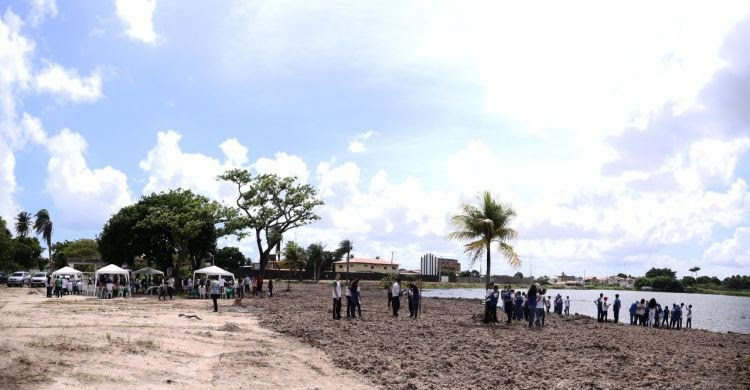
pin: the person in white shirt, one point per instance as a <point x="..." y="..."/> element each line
<point x="689" y="316"/>
<point x="247" y="283"/>
<point x="605" y="308"/>
<point x="336" y="295"/>
<point x="567" y="305"/>
<point x="222" y="282"/>
<point x="396" y="294"/>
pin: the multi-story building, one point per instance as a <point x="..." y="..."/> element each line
<point x="367" y="265"/>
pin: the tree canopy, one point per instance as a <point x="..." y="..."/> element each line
<point x="485" y="225"/>
<point x="229" y="258"/>
<point x="268" y="206"/>
<point x="165" y="229"/>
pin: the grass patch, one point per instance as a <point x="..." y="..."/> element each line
<point x="133" y="346"/>
<point x="64" y="344"/>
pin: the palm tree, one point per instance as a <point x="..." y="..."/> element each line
<point x="695" y="270"/>
<point x="483" y="225"/>
<point x="23" y="224"/>
<point x="346" y="247"/>
<point x="43" y="227"/>
<point x="294" y="257"/>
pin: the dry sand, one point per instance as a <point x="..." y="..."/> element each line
<point x="140" y="343"/>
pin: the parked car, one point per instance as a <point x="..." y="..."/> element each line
<point x="19" y="279"/>
<point x="39" y="279"/>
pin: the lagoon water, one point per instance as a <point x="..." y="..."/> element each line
<point x="718" y="313"/>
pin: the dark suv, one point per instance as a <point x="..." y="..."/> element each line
<point x="19" y="279"/>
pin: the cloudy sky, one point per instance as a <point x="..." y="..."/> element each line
<point x="620" y="134"/>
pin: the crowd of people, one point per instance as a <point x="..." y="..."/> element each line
<point x="354" y="301"/>
<point x="62" y="285"/>
<point x="646" y="313"/>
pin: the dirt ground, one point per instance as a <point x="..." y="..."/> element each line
<point x="449" y="347"/>
<point x="290" y="342"/>
<point x="77" y="342"/>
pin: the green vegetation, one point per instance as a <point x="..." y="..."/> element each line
<point x="662" y="279"/>
<point x="21" y="252"/>
<point x="484" y="225"/>
<point x="267" y="207"/>
<point x="229" y="258"/>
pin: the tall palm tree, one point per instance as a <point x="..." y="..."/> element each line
<point x="695" y="270"/>
<point x="43" y="227"/>
<point x="484" y="225"/>
<point x="345" y="246"/>
<point x="295" y="258"/>
<point x="23" y="224"/>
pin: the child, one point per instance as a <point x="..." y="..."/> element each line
<point x="605" y="309"/>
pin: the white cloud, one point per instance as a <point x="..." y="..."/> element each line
<point x="357" y="145"/>
<point x="84" y="198"/>
<point x="284" y="165"/>
<point x="733" y="252"/>
<point x="168" y="166"/>
<point x="67" y="84"/>
<point x="41" y="10"/>
<point x="137" y="17"/>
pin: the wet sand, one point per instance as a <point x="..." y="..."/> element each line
<point x="449" y="347"/>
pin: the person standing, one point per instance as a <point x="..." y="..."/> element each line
<point x="215" y="294"/>
<point x="348" y="294"/>
<point x="58" y="287"/>
<point x="270" y="288"/>
<point x="396" y="294"/>
<point x="336" y="295"/>
<point x="49" y="286"/>
<point x="640" y="311"/>
<point x="605" y="309"/>
<point x="531" y="302"/>
<point x="170" y="288"/>
<point x="247" y="284"/>
<point x="689" y="316"/>
<point x="567" y="305"/>
<point x="416" y="297"/>
<point x="507" y="296"/>
<point x="651" y="312"/>
<point x="163" y="289"/>
<point x="598" y="303"/>
<point x="633" y="311"/>
<point x="682" y="309"/>
<point x="487" y="295"/>
<point x="355" y="298"/>
<point x="665" y="317"/>
<point x="390" y="295"/>
<point x="519" y="306"/>
<point x="540" y="306"/>
<point x="616" y="308"/>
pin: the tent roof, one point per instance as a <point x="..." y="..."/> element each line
<point x="112" y="269"/>
<point x="148" y="271"/>
<point x="213" y="270"/>
<point x="67" y="271"/>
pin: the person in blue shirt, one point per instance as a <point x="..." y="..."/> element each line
<point x="519" y="306"/>
<point x="633" y="309"/>
<point x="665" y="317"/>
<point x="492" y="302"/>
<point x="215" y="292"/>
<point x="507" y="296"/>
<point x="616" y="308"/>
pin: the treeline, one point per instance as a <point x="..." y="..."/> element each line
<point x="664" y="279"/>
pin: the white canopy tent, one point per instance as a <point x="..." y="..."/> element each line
<point x="148" y="271"/>
<point x="67" y="271"/>
<point x="111" y="270"/>
<point x="213" y="271"/>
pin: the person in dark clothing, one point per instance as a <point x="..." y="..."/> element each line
<point x="215" y="293"/>
<point x="598" y="303"/>
<point x="487" y="294"/>
<point x="531" y="300"/>
<point x="616" y="308"/>
<point x="507" y="296"/>
<point x="390" y="296"/>
<point x="416" y="297"/>
<point x="491" y="316"/>
<point x="49" y="286"/>
<point x="665" y="317"/>
<point x="270" y="288"/>
<point x="355" y="299"/>
<point x="633" y="309"/>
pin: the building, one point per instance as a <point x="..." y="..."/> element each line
<point x="449" y="266"/>
<point x="368" y="266"/>
<point x="433" y="265"/>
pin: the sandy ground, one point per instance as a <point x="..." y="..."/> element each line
<point x="449" y="347"/>
<point x="78" y="342"/>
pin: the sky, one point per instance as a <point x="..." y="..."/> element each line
<point x="618" y="132"/>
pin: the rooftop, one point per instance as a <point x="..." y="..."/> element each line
<point x="368" y="261"/>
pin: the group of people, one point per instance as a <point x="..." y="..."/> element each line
<point x="649" y="314"/>
<point x="60" y="286"/>
<point x="652" y="314"/>
<point x="354" y="298"/>
<point x="531" y="306"/>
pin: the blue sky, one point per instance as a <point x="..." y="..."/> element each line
<point x="621" y="148"/>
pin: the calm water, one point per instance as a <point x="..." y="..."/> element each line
<point x="713" y="312"/>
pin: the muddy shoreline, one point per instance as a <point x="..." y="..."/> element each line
<point x="449" y="347"/>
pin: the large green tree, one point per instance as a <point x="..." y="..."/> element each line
<point x="24" y="224"/>
<point x="482" y="226"/>
<point x="166" y="228"/>
<point x="27" y="252"/>
<point x="7" y="249"/>
<point x="229" y="258"/>
<point x="315" y="258"/>
<point x="268" y="206"/>
<point x="43" y="227"/>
